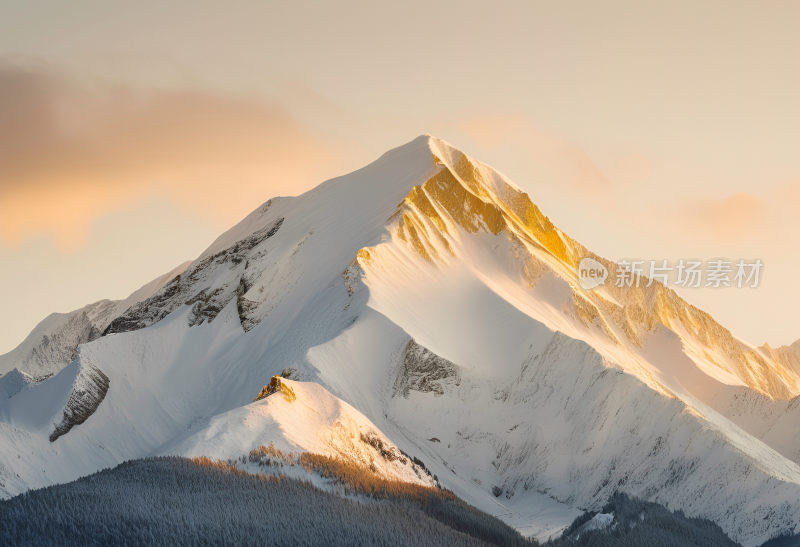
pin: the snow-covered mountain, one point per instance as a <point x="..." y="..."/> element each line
<point x="433" y="303"/>
<point x="54" y="342"/>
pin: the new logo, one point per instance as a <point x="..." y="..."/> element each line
<point x="591" y="273"/>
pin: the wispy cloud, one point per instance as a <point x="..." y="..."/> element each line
<point x="72" y="152"/>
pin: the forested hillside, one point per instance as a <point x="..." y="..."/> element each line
<point x="177" y="501"/>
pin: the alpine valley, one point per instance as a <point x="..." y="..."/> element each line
<point x="422" y="319"/>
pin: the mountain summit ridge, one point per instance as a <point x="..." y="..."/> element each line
<point x="467" y="194"/>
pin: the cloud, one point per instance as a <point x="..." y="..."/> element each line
<point x="72" y="152"/>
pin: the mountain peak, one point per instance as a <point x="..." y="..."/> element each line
<point x="536" y="384"/>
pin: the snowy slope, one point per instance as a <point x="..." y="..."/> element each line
<point x="310" y="420"/>
<point x="439" y="306"/>
<point x="53" y="343"/>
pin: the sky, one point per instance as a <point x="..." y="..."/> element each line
<point x="133" y="133"/>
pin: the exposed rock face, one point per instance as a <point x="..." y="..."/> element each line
<point x="353" y="275"/>
<point x="214" y="295"/>
<point x="88" y="392"/>
<point x="423" y="370"/>
<point x="276" y="385"/>
<point x="53" y="344"/>
<point x="46" y="352"/>
<point x="147" y="312"/>
<point x="62" y="346"/>
<point x="267" y="390"/>
<point x="388" y="452"/>
<point x="245" y="307"/>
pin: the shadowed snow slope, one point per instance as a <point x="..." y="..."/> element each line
<point x="440" y="308"/>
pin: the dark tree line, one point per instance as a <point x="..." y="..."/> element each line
<point x="176" y="501"/>
<point x="639" y="523"/>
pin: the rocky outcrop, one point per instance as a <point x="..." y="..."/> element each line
<point x="245" y="307"/>
<point x="53" y="344"/>
<point x="88" y="391"/>
<point x="199" y="287"/>
<point x="424" y="371"/>
<point x="56" y="343"/>
<point x="206" y="305"/>
<point x="276" y="385"/>
<point x="149" y="311"/>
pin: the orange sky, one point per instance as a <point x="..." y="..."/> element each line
<point x="132" y="134"/>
